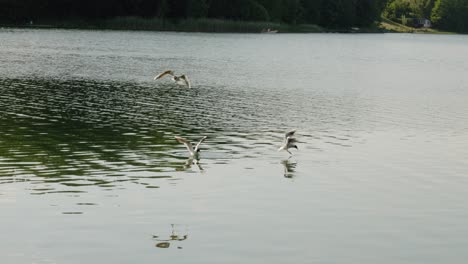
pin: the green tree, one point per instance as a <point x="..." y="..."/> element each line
<point x="292" y="11"/>
<point x="367" y="11"/>
<point x="429" y="4"/>
<point x="397" y="8"/>
<point x="451" y="15"/>
<point x="337" y="13"/>
<point x="328" y="13"/>
<point x="274" y="8"/>
<point x="163" y="8"/>
<point x="197" y="8"/>
<point x="311" y="13"/>
<point x="254" y="11"/>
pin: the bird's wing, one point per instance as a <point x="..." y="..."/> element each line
<point x="187" y="144"/>
<point x="159" y="76"/>
<point x="198" y="145"/>
<point x="187" y="81"/>
<point x="290" y="140"/>
<point x="289" y="134"/>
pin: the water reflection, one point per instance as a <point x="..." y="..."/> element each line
<point x="176" y="236"/>
<point x="188" y="164"/>
<point x="85" y="133"/>
<point x="76" y="126"/>
<point x="289" y="168"/>
<point x="72" y="134"/>
<point x="82" y="133"/>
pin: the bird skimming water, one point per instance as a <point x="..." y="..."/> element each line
<point x="180" y="80"/>
<point x="193" y="151"/>
<point x="289" y="142"/>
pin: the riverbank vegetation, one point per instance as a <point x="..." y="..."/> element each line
<point x="445" y="15"/>
<point x="196" y="15"/>
<point x="180" y="25"/>
<point x="238" y="15"/>
<point x="388" y="25"/>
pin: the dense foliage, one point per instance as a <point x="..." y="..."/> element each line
<point x="449" y="15"/>
<point x="327" y="13"/>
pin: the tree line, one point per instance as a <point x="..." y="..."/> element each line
<point x="450" y="15"/>
<point x="326" y="13"/>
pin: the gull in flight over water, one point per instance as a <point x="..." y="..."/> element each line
<point x="193" y="151"/>
<point x="180" y="80"/>
<point x="289" y="142"/>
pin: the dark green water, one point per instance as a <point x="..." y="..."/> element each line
<point x="90" y="171"/>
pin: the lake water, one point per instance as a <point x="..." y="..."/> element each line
<point x="90" y="171"/>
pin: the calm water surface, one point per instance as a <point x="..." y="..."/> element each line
<point x="90" y="171"/>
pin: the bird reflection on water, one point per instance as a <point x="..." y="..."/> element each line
<point x="188" y="165"/>
<point x="173" y="237"/>
<point x="289" y="168"/>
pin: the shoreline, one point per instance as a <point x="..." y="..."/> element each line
<point x="185" y="25"/>
<point x="213" y="26"/>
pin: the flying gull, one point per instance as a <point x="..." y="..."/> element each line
<point x="289" y="142"/>
<point x="193" y="151"/>
<point x="180" y="80"/>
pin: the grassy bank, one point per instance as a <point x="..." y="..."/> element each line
<point x="183" y="25"/>
<point x="388" y="25"/>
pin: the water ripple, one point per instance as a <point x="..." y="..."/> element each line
<point x="81" y="133"/>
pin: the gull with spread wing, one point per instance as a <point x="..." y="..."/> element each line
<point x="182" y="80"/>
<point x="193" y="151"/>
<point x="289" y="142"/>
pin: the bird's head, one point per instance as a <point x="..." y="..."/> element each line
<point x="198" y="150"/>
